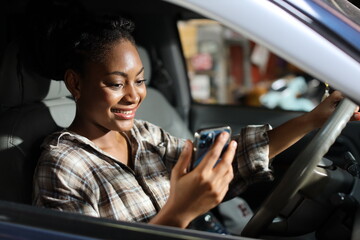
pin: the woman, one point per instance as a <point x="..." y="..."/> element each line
<point x="107" y="164"/>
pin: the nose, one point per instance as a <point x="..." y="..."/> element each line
<point x="131" y="94"/>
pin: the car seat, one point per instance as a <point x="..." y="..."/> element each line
<point x="27" y="104"/>
<point x="32" y="107"/>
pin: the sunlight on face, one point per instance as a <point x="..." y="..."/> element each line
<point x="112" y="91"/>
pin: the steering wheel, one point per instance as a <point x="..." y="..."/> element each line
<point x="300" y="170"/>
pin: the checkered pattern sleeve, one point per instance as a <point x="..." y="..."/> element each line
<point x="251" y="163"/>
<point x="63" y="183"/>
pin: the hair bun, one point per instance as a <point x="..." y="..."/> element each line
<point x="123" y="23"/>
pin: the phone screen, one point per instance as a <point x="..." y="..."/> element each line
<point x="203" y="140"/>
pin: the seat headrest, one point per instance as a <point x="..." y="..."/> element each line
<point x="18" y="85"/>
<point x="145" y="58"/>
<point x="57" y="89"/>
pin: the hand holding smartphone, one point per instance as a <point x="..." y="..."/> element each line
<point x="203" y="141"/>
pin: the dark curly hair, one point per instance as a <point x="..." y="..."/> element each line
<point x="73" y="41"/>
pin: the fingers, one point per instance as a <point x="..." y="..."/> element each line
<point x="183" y="161"/>
<point x="214" y="153"/>
<point x="334" y="99"/>
<point x="205" y="185"/>
<point x="229" y="154"/>
<point x="326" y="108"/>
<point x="222" y="179"/>
<point x="336" y="96"/>
<point x="355" y="117"/>
<point x="222" y="174"/>
<point x="225" y="164"/>
<point x="221" y="184"/>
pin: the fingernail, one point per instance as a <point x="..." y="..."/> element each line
<point x="186" y="145"/>
<point x="357" y="116"/>
<point x="224" y="135"/>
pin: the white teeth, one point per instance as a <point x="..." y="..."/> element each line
<point x="120" y="111"/>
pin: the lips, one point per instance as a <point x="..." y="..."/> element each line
<point x="124" y="114"/>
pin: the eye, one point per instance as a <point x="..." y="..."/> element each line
<point x="140" y="82"/>
<point x="116" y="86"/>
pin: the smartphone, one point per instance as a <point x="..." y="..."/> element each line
<point x="203" y="140"/>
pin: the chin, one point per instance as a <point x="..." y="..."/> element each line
<point x="125" y="126"/>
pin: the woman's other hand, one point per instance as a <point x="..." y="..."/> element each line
<point x="322" y="112"/>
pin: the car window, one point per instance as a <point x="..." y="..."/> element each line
<point x="225" y="67"/>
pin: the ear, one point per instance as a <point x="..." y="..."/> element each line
<point x="72" y="82"/>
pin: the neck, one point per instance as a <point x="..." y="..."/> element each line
<point x="101" y="136"/>
<point x="111" y="142"/>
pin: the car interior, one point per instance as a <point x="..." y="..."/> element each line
<point x="33" y="106"/>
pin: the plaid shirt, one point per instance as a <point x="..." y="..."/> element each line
<point x="74" y="175"/>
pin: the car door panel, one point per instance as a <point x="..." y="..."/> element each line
<point x="203" y="115"/>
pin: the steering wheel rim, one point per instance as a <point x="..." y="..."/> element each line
<point x="300" y="170"/>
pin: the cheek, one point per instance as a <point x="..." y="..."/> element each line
<point x="103" y="98"/>
<point x="142" y="92"/>
<point x="112" y="98"/>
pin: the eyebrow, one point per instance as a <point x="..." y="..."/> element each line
<point x="123" y="74"/>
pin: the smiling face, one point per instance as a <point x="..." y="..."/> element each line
<point x="110" y="92"/>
